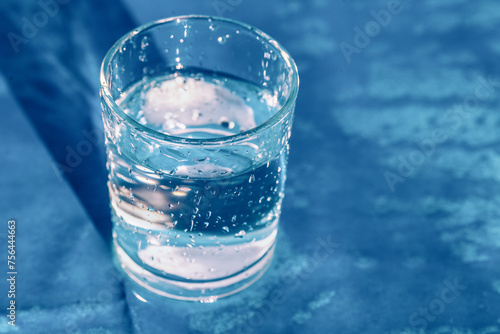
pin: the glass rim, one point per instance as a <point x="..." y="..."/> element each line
<point x="271" y="121"/>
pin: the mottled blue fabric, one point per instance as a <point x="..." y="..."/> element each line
<point x="391" y="220"/>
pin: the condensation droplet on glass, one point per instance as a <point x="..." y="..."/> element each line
<point x="233" y="219"/>
<point x="226" y="123"/>
<point x="225" y="229"/>
<point x="144" y="42"/>
<point x="205" y="159"/>
<point x="240" y="234"/>
<point x="196" y="115"/>
<point x="251" y="179"/>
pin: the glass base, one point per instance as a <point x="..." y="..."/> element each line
<point x="196" y="291"/>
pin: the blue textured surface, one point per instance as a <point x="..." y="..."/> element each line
<point x="393" y="185"/>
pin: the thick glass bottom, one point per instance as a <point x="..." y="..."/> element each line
<point x="197" y="291"/>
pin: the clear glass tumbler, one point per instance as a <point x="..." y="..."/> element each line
<point x="197" y="115"/>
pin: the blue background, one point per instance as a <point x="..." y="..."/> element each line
<point x="393" y="184"/>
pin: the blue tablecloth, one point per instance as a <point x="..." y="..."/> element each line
<point x="391" y="220"/>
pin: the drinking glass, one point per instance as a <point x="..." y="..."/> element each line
<point x="197" y="114"/>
